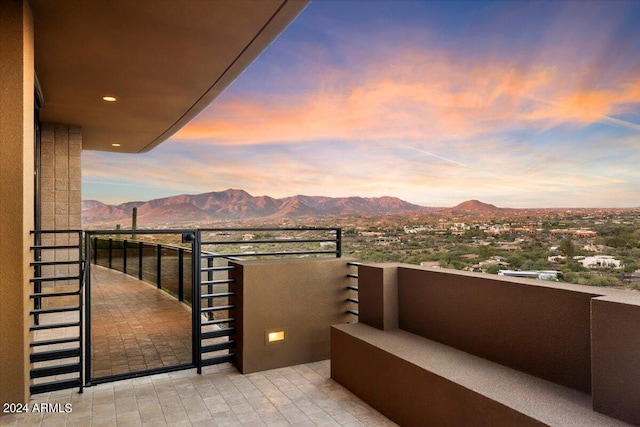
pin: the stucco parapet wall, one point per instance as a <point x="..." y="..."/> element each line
<point x="621" y="295"/>
<point x="293" y="261"/>
<point x="615" y="351"/>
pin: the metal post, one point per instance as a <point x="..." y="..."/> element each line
<point x="87" y="314"/>
<point x="134" y="222"/>
<point x="83" y="265"/>
<point x="124" y="256"/>
<point x="181" y="274"/>
<point x="140" y="248"/>
<point x="159" y="266"/>
<point x="110" y="251"/>
<point x="338" y="242"/>
<point x="195" y="303"/>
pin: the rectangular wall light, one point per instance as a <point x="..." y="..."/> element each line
<point x="276" y="335"/>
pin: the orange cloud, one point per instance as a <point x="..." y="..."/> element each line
<point x="427" y="97"/>
<point x="431" y="99"/>
<point x="583" y="107"/>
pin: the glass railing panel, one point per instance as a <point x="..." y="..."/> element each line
<point x="132" y="259"/>
<point x="169" y="269"/>
<point x="149" y="263"/>
<point x="186" y="277"/>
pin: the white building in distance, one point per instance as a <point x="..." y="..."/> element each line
<point x="600" y="261"/>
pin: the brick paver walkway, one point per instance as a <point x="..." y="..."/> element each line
<point x="135" y="326"/>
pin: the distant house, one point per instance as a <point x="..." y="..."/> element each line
<point x="495" y="260"/>
<point x="384" y="241"/>
<point x="573" y="232"/>
<point x="499" y="229"/>
<point x="594" y="248"/>
<point x="541" y="275"/>
<point x="601" y="261"/>
<point x="509" y="248"/>
<point x="430" y="264"/>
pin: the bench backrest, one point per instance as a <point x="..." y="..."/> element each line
<point x="541" y="330"/>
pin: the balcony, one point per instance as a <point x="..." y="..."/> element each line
<point x="432" y="347"/>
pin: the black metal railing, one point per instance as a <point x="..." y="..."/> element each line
<point x="139" y="259"/>
<point x="236" y="242"/>
<point x="57" y="295"/>
<point x="353" y="289"/>
<point x="198" y="275"/>
<point x="217" y="305"/>
<point x="166" y="266"/>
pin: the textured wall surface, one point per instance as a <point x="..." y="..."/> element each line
<point x="385" y="370"/>
<point x="538" y="329"/>
<point x="16" y="196"/>
<point x="378" y="295"/>
<point x="61" y="176"/>
<point x="616" y="358"/>
<point x="558" y="353"/>
<point x="61" y="198"/>
<point x="304" y="297"/>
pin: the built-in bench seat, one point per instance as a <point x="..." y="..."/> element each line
<point x="417" y="381"/>
<point x="436" y="347"/>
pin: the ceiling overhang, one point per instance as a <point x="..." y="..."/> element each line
<point x="163" y="60"/>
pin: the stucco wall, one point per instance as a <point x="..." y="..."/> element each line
<point x="538" y="329"/>
<point x="16" y="195"/>
<point x="303" y="297"/>
<point x="615" y="327"/>
<point x="378" y="295"/>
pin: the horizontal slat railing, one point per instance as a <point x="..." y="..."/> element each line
<point x="353" y="288"/>
<point x="58" y="265"/>
<point x="215" y="332"/>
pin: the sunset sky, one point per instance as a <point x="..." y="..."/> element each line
<point x="515" y="103"/>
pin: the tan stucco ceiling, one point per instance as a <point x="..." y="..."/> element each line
<point x="164" y="60"/>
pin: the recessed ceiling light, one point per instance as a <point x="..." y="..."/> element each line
<point x="109" y="98"/>
<point x="115" y="145"/>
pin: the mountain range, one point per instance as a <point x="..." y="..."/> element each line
<point x="238" y="204"/>
<point x="233" y="204"/>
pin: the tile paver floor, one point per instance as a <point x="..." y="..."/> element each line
<point x="135" y="326"/>
<point x="301" y="395"/>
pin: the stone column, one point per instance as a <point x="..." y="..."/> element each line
<point x="61" y="147"/>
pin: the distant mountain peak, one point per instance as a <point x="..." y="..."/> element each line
<point x="475" y="206"/>
<point x="477" y="203"/>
